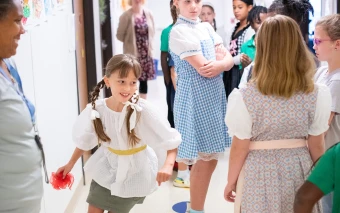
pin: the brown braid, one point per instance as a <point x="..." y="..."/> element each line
<point x="173" y="11"/>
<point x="98" y="125"/>
<point x="133" y="139"/>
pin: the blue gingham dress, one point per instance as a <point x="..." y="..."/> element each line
<point x="200" y="103"/>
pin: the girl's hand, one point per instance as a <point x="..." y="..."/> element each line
<point x="164" y="174"/>
<point x="245" y="60"/>
<point x="230" y="192"/>
<point x="65" y="169"/>
<point x="220" y="52"/>
<point x="211" y="69"/>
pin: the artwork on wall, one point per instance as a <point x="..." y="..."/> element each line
<point x="34" y="12"/>
<point x="27" y="10"/>
<point x="48" y="7"/>
<point x="38" y="10"/>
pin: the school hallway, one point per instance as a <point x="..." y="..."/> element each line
<point x="167" y="199"/>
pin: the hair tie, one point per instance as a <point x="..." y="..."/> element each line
<point x="94" y="114"/>
<point x="133" y="118"/>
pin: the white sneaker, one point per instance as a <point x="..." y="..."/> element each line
<point x="180" y="183"/>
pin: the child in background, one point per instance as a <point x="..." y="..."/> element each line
<point x="296" y="9"/>
<point x="199" y="109"/>
<point x="241" y="33"/>
<point x="124" y="168"/>
<point x="255" y="18"/>
<point x="208" y="15"/>
<point x="183" y="176"/>
<point x="167" y="63"/>
<point x="327" y="48"/>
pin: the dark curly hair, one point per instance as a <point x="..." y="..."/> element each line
<point x="254" y="14"/>
<point x="296" y="9"/>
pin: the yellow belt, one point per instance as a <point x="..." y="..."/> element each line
<point x="128" y="151"/>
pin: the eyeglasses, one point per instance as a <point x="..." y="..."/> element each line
<point x="319" y="41"/>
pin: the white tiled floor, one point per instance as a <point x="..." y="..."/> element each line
<point x="166" y="196"/>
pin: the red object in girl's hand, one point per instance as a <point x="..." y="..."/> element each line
<point x="59" y="183"/>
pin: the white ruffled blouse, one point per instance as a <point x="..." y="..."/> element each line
<point x="131" y="175"/>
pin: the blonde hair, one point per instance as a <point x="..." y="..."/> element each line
<point x="130" y="2"/>
<point x="331" y="24"/>
<point x="283" y="63"/>
<point x="122" y="63"/>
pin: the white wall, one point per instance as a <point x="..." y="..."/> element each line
<point x="47" y="65"/>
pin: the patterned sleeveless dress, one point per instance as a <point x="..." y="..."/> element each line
<point x="272" y="177"/>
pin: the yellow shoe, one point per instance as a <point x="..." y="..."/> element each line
<point x="179" y="182"/>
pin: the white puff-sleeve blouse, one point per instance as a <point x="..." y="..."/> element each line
<point x="129" y="175"/>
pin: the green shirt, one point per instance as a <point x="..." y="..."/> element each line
<point x="326" y="175"/>
<point x="165" y="39"/>
<point x="249" y="49"/>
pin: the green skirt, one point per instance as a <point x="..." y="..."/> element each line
<point x="101" y="197"/>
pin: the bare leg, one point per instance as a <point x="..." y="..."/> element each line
<point x="200" y="178"/>
<point x="93" y="209"/>
<point x="173" y="76"/>
<point x="142" y="95"/>
<point x="182" y="166"/>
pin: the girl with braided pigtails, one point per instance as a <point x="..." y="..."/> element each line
<point x="125" y="127"/>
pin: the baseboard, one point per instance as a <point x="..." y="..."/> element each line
<point x="71" y="207"/>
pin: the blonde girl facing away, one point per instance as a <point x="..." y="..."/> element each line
<point x="277" y="122"/>
<point x="128" y="129"/>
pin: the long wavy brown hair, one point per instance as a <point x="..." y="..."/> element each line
<point x="283" y="63"/>
<point x="122" y="63"/>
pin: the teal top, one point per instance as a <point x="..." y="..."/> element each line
<point x="249" y="49"/>
<point x="326" y="175"/>
<point x="165" y="38"/>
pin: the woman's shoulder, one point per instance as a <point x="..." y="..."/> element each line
<point x="147" y="11"/>
<point x="127" y="13"/>
<point x="3" y="85"/>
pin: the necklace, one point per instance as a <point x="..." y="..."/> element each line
<point x="10" y="75"/>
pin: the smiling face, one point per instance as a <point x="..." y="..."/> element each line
<point x="324" y="47"/>
<point x="11" y="29"/>
<point x="190" y="9"/>
<point x="207" y="15"/>
<point x="122" y="88"/>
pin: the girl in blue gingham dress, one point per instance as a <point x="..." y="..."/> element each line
<point x="199" y="106"/>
